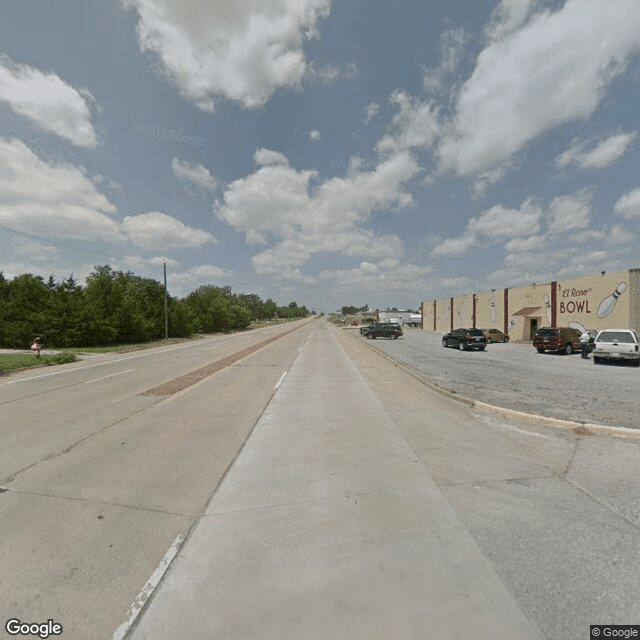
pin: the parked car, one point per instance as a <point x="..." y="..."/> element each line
<point x="495" y="335"/>
<point x="382" y="330"/>
<point x="465" y="339"/>
<point x="617" y="345"/>
<point x="561" y="339"/>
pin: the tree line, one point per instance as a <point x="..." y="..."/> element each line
<point x="115" y="307"/>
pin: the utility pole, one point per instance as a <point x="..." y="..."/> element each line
<point x="166" y="312"/>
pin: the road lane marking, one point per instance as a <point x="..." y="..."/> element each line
<point x="109" y="376"/>
<point x="100" y="364"/>
<point x="280" y="381"/>
<point x="147" y="590"/>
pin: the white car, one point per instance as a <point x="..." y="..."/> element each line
<point x="617" y="344"/>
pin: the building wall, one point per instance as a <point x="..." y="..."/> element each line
<point x="443" y="314"/>
<point x="596" y="302"/>
<point x="490" y="310"/>
<point x="592" y="302"/>
<point x="536" y="300"/>
<point x="463" y="310"/>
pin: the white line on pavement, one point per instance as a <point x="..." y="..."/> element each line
<point x="100" y="364"/>
<point x="109" y="376"/>
<point x="148" y="588"/>
<point x="280" y="381"/>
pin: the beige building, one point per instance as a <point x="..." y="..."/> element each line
<point x="600" y="301"/>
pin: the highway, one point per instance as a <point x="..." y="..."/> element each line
<point x="245" y="486"/>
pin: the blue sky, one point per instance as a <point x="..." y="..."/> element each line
<point x="330" y="153"/>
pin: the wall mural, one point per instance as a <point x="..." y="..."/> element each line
<point x="609" y="303"/>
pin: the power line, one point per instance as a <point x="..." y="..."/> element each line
<point x="64" y="244"/>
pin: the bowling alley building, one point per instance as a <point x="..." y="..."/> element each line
<point x="602" y="301"/>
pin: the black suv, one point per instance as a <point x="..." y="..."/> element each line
<point x="561" y="339"/>
<point x="382" y="330"/>
<point x="465" y="339"/>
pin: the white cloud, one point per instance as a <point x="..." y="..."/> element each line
<point x="139" y="262"/>
<point x="155" y="230"/>
<point x="48" y="101"/>
<point x="276" y="203"/>
<point x="37" y="251"/>
<point x="603" y="154"/>
<point x="196" y="174"/>
<point x="570" y="212"/>
<point x="183" y="282"/>
<point x="551" y="70"/>
<point x="242" y="51"/>
<point x="508" y="16"/>
<point x="370" y="112"/>
<point x="496" y="223"/>
<point x="414" y="126"/>
<point x="315" y="135"/>
<point x="619" y="236"/>
<point x="332" y="72"/>
<point x="51" y="200"/>
<point x="266" y="157"/>
<point x="629" y="204"/>
<point x="452" y="44"/>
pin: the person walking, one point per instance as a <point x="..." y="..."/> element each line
<point x="36" y="346"/>
<point x="585" y="343"/>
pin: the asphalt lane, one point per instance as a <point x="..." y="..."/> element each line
<point x="516" y="376"/>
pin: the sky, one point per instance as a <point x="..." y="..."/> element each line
<point x="354" y="153"/>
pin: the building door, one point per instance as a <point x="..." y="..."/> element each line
<point x="533" y="327"/>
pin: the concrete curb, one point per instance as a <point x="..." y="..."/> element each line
<point x="579" y="428"/>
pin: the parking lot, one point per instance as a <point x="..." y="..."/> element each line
<point x="516" y="376"/>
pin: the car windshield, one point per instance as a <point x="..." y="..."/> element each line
<point x="475" y="332"/>
<point x="616" y="336"/>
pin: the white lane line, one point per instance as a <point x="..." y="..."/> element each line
<point x="280" y="381"/>
<point x="109" y="376"/>
<point x="100" y="364"/>
<point x="147" y="590"/>
<point x="300" y="348"/>
<point x="209" y="348"/>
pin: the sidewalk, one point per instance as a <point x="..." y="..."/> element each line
<point x="327" y="526"/>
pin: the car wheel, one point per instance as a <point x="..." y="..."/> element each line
<point x="540" y="350"/>
<point x="596" y="360"/>
<point x="568" y="349"/>
<point x="506" y="339"/>
<point x="368" y="336"/>
<point x="480" y="348"/>
<point x="488" y="340"/>
<point x="461" y="346"/>
<point x="444" y="343"/>
<point x="394" y="336"/>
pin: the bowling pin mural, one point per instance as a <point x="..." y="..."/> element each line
<point x="609" y="303"/>
<point x="577" y="325"/>
<point x="547" y="306"/>
<point x="492" y="308"/>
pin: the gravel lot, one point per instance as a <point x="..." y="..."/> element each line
<point x="516" y="376"/>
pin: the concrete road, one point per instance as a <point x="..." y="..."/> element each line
<point x="364" y="505"/>
<point x="103" y="467"/>
<point x="311" y="489"/>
